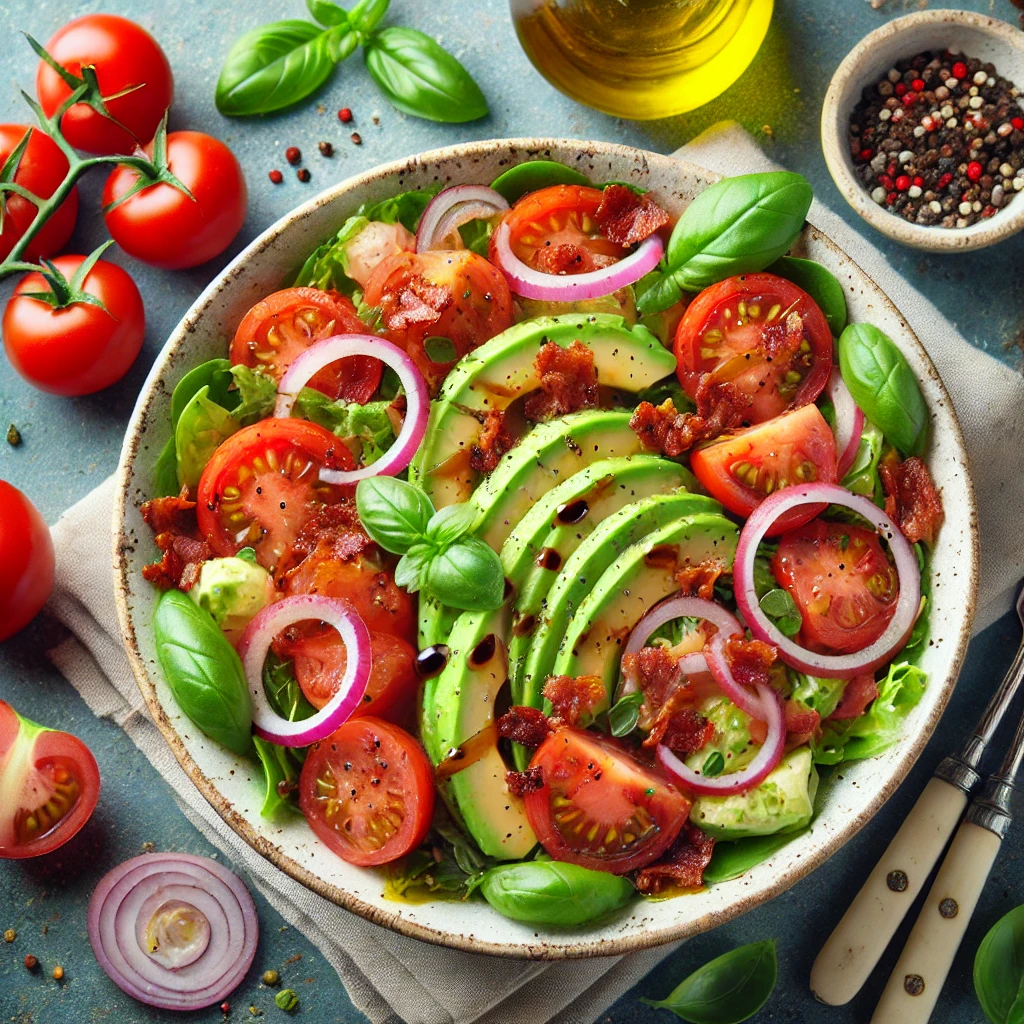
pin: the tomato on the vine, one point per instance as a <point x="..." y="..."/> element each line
<point x="163" y="226"/>
<point x="125" y="57"/>
<point x="26" y="560"/>
<point x="41" y="170"/>
<point x="79" y="348"/>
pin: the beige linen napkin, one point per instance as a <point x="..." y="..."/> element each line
<point x="393" y="978"/>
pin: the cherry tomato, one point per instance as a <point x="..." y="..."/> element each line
<point x="554" y="230"/>
<point x="844" y="586"/>
<point x="124" y="55"/>
<point x="263" y="484"/>
<point x="164" y="227"/>
<point x="81" y="348"/>
<point x="26" y="561"/>
<point x="742" y="468"/>
<point x="320" y="659"/>
<point x="762" y="333"/>
<point x="283" y="325"/>
<point x="42" y="168"/>
<point x="429" y="299"/>
<point x="367" y="791"/>
<point x="49" y="785"/>
<point x="600" y="808"/>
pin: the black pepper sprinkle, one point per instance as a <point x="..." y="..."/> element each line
<point x="357" y="138"/>
<point x="939" y="140"/>
<point x="326" y="149"/>
<point x="897" y="881"/>
<point x="303" y="174"/>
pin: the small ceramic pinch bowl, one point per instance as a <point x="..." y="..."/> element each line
<point x="975" y="35"/>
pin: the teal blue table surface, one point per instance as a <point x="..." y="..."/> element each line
<point x="71" y="445"/>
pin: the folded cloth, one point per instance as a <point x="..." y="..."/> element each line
<point x="393" y="978"/>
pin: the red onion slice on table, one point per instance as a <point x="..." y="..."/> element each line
<point x="535" y="284"/>
<point x="838" y="666"/>
<point x="452" y="208"/>
<point x="341" y="346"/>
<point x="256" y="640"/>
<point x="172" y="930"/>
<point x="849" y="422"/>
<point x="746" y="778"/>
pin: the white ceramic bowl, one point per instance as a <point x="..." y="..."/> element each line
<point x="232" y="785"/>
<point x="976" y="35"/>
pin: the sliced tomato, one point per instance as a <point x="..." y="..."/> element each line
<point x="600" y="808"/>
<point x="761" y="333"/>
<point x="367" y="791"/>
<point x="320" y="659"/>
<point x="438" y="305"/>
<point x="263" y="483"/>
<point x="283" y="325"/>
<point x="49" y="785"/>
<point x="843" y="584"/>
<point x="742" y="468"/>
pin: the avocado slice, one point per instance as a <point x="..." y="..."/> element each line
<point x="435" y="621"/>
<point x="547" y="455"/>
<point x="501" y="370"/>
<point x="633" y="584"/>
<point x="458" y="706"/>
<point x="583" y="569"/>
<point x="784" y="802"/>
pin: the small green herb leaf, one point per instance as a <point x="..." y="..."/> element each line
<point x="420" y="77"/>
<point x="467" y="576"/>
<point x="779" y="606"/>
<point x="820" y="283"/>
<point x="394" y="513"/>
<point x="735" y="858"/>
<point x="165" y="471"/>
<point x="999" y="969"/>
<point x="728" y="990"/>
<point x="367" y="13"/>
<point x="625" y="713"/>
<point x="714" y="765"/>
<point x="440" y="350"/>
<point x="412" y="567"/>
<point x="327" y="13"/>
<point x="450" y="523"/>
<point x="202" y="427"/>
<point x="532" y="175"/>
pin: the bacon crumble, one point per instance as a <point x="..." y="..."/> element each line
<point x="176" y="533"/>
<point x="911" y="498"/>
<point x="494" y="440"/>
<point x="626" y="218"/>
<point x="574" y="697"/>
<point x="527" y="781"/>
<point x="568" y="382"/>
<point x="524" y="725"/>
<point x="700" y="579"/>
<point x="419" y="302"/>
<point x="682" y="865"/>
<point x="663" y="429"/>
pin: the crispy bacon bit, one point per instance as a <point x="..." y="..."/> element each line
<point x="662" y="429"/>
<point x="528" y="781"/>
<point x="626" y="218"/>
<point x="419" y="302"/>
<point x="678" y="726"/>
<point x="801" y="724"/>
<point x="566" y="258"/>
<point x="750" y="660"/>
<point x="493" y="442"/>
<point x="860" y="691"/>
<point x="655" y="671"/>
<point x="574" y="697"/>
<point x="682" y="865"/>
<point x="176" y="532"/>
<point x="568" y="382"/>
<point x="782" y="338"/>
<point x="525" y="725"/>
<point x="911" y="499"/>
<point x="333" y="533"/>
<point x="668" y="710"/>
<point x="700" y="579"/>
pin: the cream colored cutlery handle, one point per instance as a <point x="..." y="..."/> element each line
<point x="913" y="989"/>
<point x="860" y="938"/>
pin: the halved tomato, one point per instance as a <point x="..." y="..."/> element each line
<point x="843" y="585"/>
<point x="49" y="785"/>
<point x="742" y="468"/>
<point x="263" y="483"/>
<point x="367" y="791"/>
<point x="600" y="808"/>
<point x="763" y="334"/>
<point x="439" y="305"/>
<point x="283" y="325"/>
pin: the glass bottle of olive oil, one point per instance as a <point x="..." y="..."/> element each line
<point x="641" y="59"/>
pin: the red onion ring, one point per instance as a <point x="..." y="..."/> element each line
<point x="256" y="640"/>
<point x="837" y="666"/>
<point x="718" y="666"/>
<point x="341" y="346"/>
<point x="849" y="422"/>
<point x="452" y="208"/>
<point x="535" y="284"/>
<point x="206" y="970"/>
<point x="746" y="778"/>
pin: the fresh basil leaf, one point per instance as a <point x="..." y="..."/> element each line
<point x="393" y="512"/>
<point x="276" y="65"/>
<point x="411" y="570"/>
<point x="367" y="13"/>
<point x="202" y="428"/>
<point x="450" y="523"/>
<point x="713" y="765"/>
<point x="820" y="283"/>
<point x="661" y="290"/>
<point x="214" y="374"/>
<point x="736" y="857"/>
<point x="440" y="350"/>
<point x="476" y="234"/>
<point x="419" y="77"/>
<point x="257" y="395"/>
<point x="467" y="576"/>
<point x="327" y="13"/>
<point x="999" y="969"/>
<point x="280" y="775"/>
<point x="884" y="386"/>
<point x="624" y="714"/>
<point x="532" y="175"/>
<point x="165" y="471"/>
<point x="283" y="692"/>
<point x="728" y="990"/>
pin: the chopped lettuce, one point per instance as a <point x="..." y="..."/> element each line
<point x="258" y="394"/>
<point x="369" y="426"/>
<point x="202" y="427"/>
<point x="862" y="477"/>
<point x="816" y="693"/>
<point x="731" y="739"/>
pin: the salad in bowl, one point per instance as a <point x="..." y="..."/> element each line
<point x="538" y="547"/>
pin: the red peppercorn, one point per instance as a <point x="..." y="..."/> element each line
<point x="959" y="69"/>
<point x="276" y="176"/>
<point x="1018" y="123"/>
<point x="903" y="182"/>
<point x="292" y="155"/>
<point x="357" y="139"/>
<point x="891" y="169"/>
<point x="866" y="154"/>
<point x="910" y="99"/>
<point x="900" y="88"/>
<point x="975" y="170"/>
<point x="917" y="85"/>
<point x="303" y="174"/>
<point x="989" y="211"/>
<point x="344" y="115"/>
<point x="885" y="181"/>
<point x="225" y="1007"/>
<point x="944" y="181"/>
<point x="890" y="199"/>
<point x="919" y="181"/>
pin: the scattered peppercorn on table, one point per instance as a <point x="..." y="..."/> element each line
<point x="60" y="449"/>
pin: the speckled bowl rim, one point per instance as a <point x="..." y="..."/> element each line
<point x="547" y="946"/>
<point x="834" y="120"/>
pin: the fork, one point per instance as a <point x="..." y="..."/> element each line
<point x="858" y="941"/>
